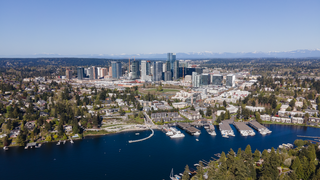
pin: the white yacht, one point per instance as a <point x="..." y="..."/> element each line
<point x="252" y="133"/>
<point x="177" y="135"/>
<point x="197" y="133"/>
<point x="169" y="133"/>
<point x="244" y="134"/>
<point x="225" y="136"/>
<point x="213" y="133"/>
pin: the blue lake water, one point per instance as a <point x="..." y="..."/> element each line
<point x="112" y="157"/>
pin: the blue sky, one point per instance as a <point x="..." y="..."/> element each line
<point x="114" y="27"/>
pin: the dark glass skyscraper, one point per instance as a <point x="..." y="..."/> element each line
<point x="80" y="72"/>
<point x="135" y="70"/>
<point x="116" y="69"/>
<point x="171" y="57"/>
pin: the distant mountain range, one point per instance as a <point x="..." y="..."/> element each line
<point x="306" y="53"/>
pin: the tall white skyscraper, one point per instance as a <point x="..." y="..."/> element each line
<point x="230" y="81"/>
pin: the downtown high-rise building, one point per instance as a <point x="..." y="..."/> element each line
<point x="167" y="76"/>
<point x="230" y="80"/>
<point x="104" y="72"/>
<point x="135" y="70"/>
<point x="116" y="69"/>
<point x="68" y="74"/>
<point x="196" y="79"/>
<point x="157" y="70"/>
<point x="145" y="70"/>
<point x="217" y="79"/>
<point x="93" y="73"/>
<point x="171" y="58"/>
<point x="176" y="70"/>
<point x="80" y="73"/>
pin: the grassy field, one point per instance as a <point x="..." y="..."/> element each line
<point x="165" y="91"/>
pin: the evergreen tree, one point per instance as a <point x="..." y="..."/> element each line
<point x="295" y="164"/>
<point x="239" y="153"/>
<point x="239" y="171"/>
<point x="265" y="154"/>
<point x="248" y="153"/>
<point x="230" y="159"/>
<point x="200" y="172"/>
<point x="256" y="155"/>
<point x="224" y="104"/>
<point x="186" y="172"/>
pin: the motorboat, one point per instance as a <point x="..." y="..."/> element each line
<point x="197" y="133"/>
<point x="58" y="143"/>
<point x="177" y="135"/>
<point x="137" y="134"/>
<point x="169" y="133"/>
<point x="225" y="136"/>
<point x="197" y="139"/>
<point x="5" y="148"/>
<point x="252" y="133"/>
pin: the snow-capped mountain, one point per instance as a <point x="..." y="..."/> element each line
<point x="195" y="55"/>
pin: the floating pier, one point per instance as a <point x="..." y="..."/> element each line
<point x="226" y="130"/>
<point x="257" y="126"/>
<point x="211" y="130"/>
<point x="133" y="141"/>
<point x="193" y="130"/>
<point x="244" y="129"/>
<point x="183" y="126"/>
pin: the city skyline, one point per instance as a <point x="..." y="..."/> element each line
<point x="84" y="28"/>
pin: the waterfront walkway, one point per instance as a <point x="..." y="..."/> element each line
<point x="133" y="141"/>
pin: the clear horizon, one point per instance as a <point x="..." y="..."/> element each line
<point x="75" y="28"/>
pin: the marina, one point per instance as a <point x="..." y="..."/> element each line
<point x="225" y="130"/>
<point x="244" y="129"/>
<point x="257" y="126"/>
<point x="189" y="129"/>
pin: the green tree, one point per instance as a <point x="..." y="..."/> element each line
<point x="239" y="153"/>
<point x="224" y="104"/>
<point x="257" y="115"/>
<point x="209" y="111"/>
<point x="230" y="159"/>
<point x="186" y="172"/>
<point x="256" y="155"/>
<point x="200" y="171"/>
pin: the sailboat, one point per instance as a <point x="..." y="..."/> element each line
<point x="174" y="177"/>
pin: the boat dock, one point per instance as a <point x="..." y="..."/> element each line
<point x="244" y="129"/>
<point x="225" y="129"/>
<point x="183" y="126"/>
<point x="257" y="126"/>
<point x="211" y="130"/>
<point x="133" y="141"/>
<point x="193" y="131"/>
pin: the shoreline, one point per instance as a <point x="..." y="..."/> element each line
<point x="290" y="124"/>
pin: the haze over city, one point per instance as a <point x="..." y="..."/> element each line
<point x="115" y="28"/>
